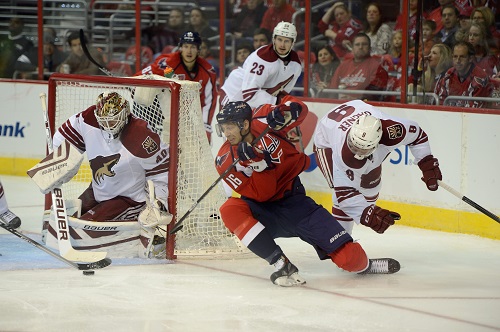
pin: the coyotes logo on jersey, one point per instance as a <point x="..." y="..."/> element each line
<point x="150" y="145"/>
<point x="102" y="166"/>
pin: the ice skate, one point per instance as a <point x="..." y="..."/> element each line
<point x="287" y="274"/>
<point x="382" y="266"/>
<point x="9" y="219"/>
<point x="159" y="248"/>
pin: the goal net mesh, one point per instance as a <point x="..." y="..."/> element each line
<point x="173" y="110"/>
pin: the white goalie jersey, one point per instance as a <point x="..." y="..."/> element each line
<point x="121" y="166"/>
<point x="357" y="183"/>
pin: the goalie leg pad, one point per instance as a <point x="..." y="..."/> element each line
<point x="57" y="168"/>
<point x="152" y="216"/>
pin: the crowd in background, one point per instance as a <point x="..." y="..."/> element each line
<point x="356" y="49"/>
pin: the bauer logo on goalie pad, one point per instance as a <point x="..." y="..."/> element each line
<point x="57" y="168"/>
<point x="150" y="145"/>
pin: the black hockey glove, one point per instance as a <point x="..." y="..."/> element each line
<point x="283" y="115"/>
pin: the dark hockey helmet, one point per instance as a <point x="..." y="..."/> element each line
<point x="190" y="37"/>
<point x="234" y="111"/>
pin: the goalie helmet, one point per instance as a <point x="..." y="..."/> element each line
<point x="190" y="37"/>
<point x="112" y="112"/>
<point x="235" y="111"/>
<point x="285" y="29"/>
<point x="364" y="136"/>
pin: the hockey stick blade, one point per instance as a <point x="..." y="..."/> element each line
<point x="91" y="59"/>
<point x="179" y="225"/>
<point x="468" y="201"/>
<point x="79" y="266"/>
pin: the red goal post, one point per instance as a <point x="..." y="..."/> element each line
<point x="173" y="110"/>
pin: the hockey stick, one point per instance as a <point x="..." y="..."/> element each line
<point x="59" y="208"/>
<point x="79" y="266"/>
<point x="91" y="59"/>
<point x="178" y="226"/>
<point x="468" y="201"/>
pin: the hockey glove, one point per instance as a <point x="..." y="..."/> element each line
<point x="283" y="115"/>
<point x="378" y="219"/>
<point x="430" y="171"/>
<point x="253" y="157"/>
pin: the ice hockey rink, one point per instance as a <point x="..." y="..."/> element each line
<point x="447" y="282"/>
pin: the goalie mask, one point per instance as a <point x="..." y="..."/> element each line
<point x="285" y="29"/>
<point x="364" y="136"/>
<point x="233" y="112"/>
<point x="112" y="112"/>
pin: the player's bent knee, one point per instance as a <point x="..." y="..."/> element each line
<point x="237" y="216"/>
<point x="350" y="257"/>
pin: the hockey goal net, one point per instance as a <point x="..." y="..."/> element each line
<point x="173" y="110"/>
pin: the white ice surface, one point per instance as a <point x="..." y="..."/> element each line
<point x="448" y="282"/>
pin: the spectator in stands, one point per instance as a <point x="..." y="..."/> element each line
<point x="187" y="65"/>
<point x="206" y="53"/>
<point x="446" y="35"/>
<point x="323" y="70"/>
<point x="27" y="64"/>
<point x="76" y="61"/>
<point x="464" y="79"/>
<point x="435" y="14"/>
<point x="176" y="21"/>
<point x="412" y="21"/>
<point x="12" y="47"/>
<point x="379" y="32"/>
<point x="360" y="72"/>
<point x="464" y="22"/>
<point x="436" y="64"/>
<point x="248" y="19"/>
<point x="338" y="25"/>
<point x="483" y="57"/>
<point x="280" y="11"/>
<point x="242" y="53"/>
<point x="485" y="15"/>
<point x="199" y="23"/>
<point x="261" y="37"/>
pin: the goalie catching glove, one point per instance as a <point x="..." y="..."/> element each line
<point x="283" y="115"/>
<point x="155" y="212"/>
<point x="378" y="219"/>
<point x="430" y="171"/>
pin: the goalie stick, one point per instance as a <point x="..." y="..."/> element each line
<point x="468" y="201"/>
<point x="79" y="266"/>
<point x="179" y="224"/>
<point x="59" y="208"/>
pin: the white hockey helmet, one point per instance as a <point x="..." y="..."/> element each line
<point x="285" y="29"/>
<point x="112" y="112"/>
<point x="364" y="136"/>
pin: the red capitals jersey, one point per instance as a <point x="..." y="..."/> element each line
<point x="475" y="84"/>
<point x="366" y="75"/>
<point x="345" y="32"/>
<point x="203" y="72"/>
<point x="286" y="163"/>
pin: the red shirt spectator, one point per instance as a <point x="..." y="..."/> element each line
<point x="281" y="11"/>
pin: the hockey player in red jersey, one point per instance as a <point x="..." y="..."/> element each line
<point x="351" y="142"/>
<point x="268" y="73"/>
<point x="187" y="65"/>
<point x="273" y="201"/>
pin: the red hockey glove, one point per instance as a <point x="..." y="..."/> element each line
<point x="378" y="219"/>
<point x="283" y="115"/>
<point x="431" y="172"/>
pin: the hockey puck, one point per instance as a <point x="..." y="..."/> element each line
<point x="88" y="273"/>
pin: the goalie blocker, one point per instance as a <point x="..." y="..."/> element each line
<point x="57" y="168"/>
